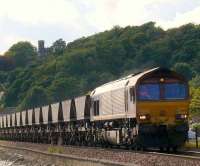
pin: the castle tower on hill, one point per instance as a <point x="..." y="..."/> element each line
<point x="41" y="48"/>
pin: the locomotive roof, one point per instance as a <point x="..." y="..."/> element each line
<point x="129" y="80"/>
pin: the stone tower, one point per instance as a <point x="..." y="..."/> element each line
<point x="41" y="48"/>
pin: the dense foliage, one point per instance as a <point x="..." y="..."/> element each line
<point x="76" y="68"/>
<point x="22" y="53"/>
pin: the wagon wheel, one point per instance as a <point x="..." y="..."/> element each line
<point x="91" y="140"/>
<point x="174" y="149"/>
<point x="67" y="138"/>
<point x="60" y="140"/>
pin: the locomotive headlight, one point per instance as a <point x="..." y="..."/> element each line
<point x="143" y="117"/>
<point x="162" y="79"/>
<point x="181" y="116"/>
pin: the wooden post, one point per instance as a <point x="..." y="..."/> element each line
<point x="196" y="137"/>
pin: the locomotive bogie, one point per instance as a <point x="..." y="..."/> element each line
<point x="112" y="137"/>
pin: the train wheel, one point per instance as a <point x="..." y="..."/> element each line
<point x="52" y="140"/>
<point x="138" y="147"/>
<point x="59" y="140"/>
<point x="143" y="148"/>
<point x="161" y="149"/>
<point x="168" y="149"/>
<point x="174" y="149"/>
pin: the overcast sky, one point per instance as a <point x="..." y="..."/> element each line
<point x="31" y="20"/>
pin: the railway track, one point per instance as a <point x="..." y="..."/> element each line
<point x="116" y="156"/>
<point x="69" y="157"/>
<point x="181" y="154"/>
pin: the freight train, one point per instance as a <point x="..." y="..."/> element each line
<point x="146" y="109"/>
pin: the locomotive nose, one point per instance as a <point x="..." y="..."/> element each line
<point x="163" y="112"/>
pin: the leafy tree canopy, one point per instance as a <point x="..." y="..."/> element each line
<point x="23" y="53"/>
<point x="78" y="67"/>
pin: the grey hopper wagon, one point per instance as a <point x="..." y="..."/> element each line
<point x="5" y="121"/>
<point x="24" y="118"/>
<point x="2" y="120"/>
<point x="8" y="120"/>
<point x="45" y="114"/>
<point x="13" y="119"/>
<point x="1" y="126"/>
<point x="37" y="115"/>
<point x="82" y="107"/>
<point x="54" y="110"/>
<point x="30" y="116"/>
<point x="66" y="104"/>
<point x="19" y="119"/>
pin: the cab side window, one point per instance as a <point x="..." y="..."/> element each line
<point x="96" y="108"/>
<point x="132" y="94"/>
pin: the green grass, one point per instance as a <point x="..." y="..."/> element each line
<point x="54" y="149"/>
<point x="192" y="144"/>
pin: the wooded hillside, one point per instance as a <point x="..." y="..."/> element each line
<point x="78" y="67"/>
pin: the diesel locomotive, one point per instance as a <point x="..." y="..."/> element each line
<point x="146" y="109"/>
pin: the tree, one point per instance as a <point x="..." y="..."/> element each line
<point x="35" y="97"/>
<point x="22" y="53"/>
<point x="11" y="96"/>
<point x="184" y="69"/>
<point x="195" y="101"/>
<point x="195" y="82"/>
<point x="62" y="88"/>
<point x="58" y="46"/>
<point x="6" y="63"/>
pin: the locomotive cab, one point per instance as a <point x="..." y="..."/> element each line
<point x="162" y="108"/>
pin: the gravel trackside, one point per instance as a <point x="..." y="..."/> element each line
<point x="128" y="157"/>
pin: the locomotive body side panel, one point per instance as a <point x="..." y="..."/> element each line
<point x="105" y="104"/>
<point x="114" y="101"/>
<point x="131" y="100"/>
<point x="118" y="100"/>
